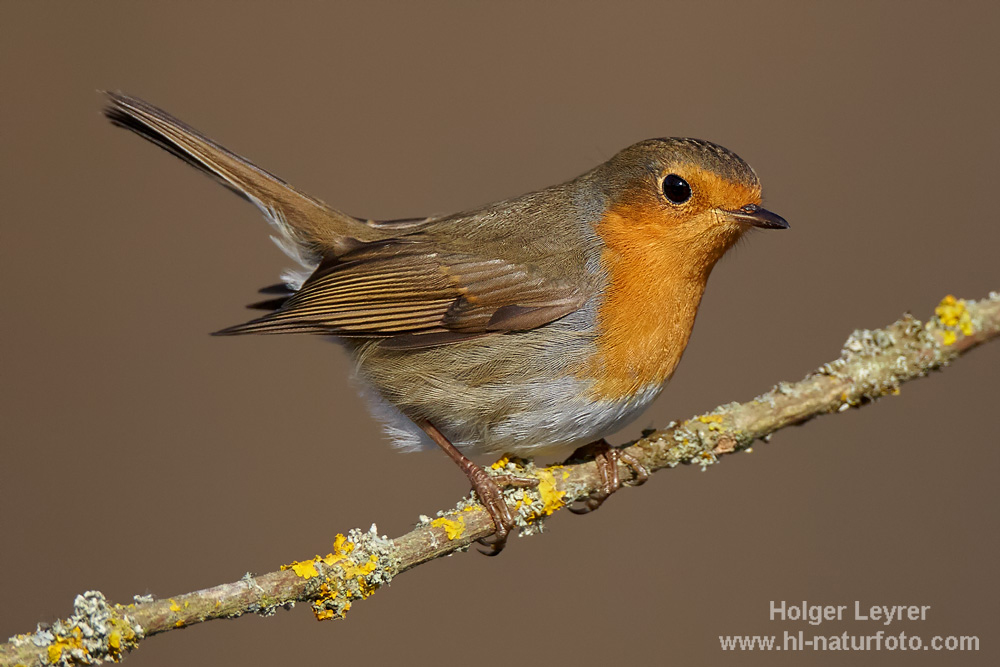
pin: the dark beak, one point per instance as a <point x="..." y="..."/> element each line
<point x="754" y="215"/>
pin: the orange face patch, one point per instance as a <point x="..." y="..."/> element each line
<point x="712" y="190"/>
<point x="657" y="260"/>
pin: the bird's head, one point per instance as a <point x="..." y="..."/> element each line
<point x="690" y="198"/>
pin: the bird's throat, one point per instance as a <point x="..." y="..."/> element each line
<point x="645" y="317"/>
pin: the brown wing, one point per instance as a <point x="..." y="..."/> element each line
<point x="405" y="291"/>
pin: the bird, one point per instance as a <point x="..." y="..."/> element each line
<point x="545" y="320"/>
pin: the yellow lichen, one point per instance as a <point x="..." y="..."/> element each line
<point x="454" y="528"/>
<point x="305" y="569"/>
<point x="352" y="569"/>
<point x="70" y="643"/>
<point x="501" y="463"/>
<point x="341" y="545"/>
<point x="362" y="571"/>
<point x="333" y="597"/>
<point x="552" y="497"/>
<point x="173" y="606"/>
<point x="122" y="636"/>
<point x="325" y="595"/>
<point x="952" y="313"/>
<point x="714" y="421"/>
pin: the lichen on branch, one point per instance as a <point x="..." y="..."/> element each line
<point x="872" y="364"/>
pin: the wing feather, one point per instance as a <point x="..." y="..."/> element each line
<point x="420" y="295"/>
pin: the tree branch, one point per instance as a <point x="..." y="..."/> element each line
<point x="872" y="364"/>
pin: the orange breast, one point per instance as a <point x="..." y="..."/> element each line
<point x="649" y="306"/>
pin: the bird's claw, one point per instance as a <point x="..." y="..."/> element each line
<point x="488" y="489"/>
<point x="606" y="458"/>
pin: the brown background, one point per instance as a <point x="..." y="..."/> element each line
<point x="141" y="455"/>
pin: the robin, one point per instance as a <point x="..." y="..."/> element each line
<point x="550" y="319"/>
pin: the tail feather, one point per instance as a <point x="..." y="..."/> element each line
<point x="308" y="230"/>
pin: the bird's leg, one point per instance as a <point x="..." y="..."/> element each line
<point x="607" y="457"/>
<point x="486" y="486"/>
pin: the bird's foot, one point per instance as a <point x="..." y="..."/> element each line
<point x="606" y="458"/>
<point x="487" y="487"/>
<point x="489" y="490"/>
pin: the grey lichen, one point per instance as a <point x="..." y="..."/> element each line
<point x="364" y="561"/>
<point x="384" y="551"/>
<point x="260" y="604"/>
<point x="96" y="632"/>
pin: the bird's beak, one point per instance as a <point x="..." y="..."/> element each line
<point x="752" y="214"/>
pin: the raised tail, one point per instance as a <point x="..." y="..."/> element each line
<point x="308" y="230"/>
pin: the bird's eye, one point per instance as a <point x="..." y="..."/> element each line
<point x="676" y="189"/>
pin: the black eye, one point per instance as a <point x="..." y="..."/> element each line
<point x="676" y="189"/>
